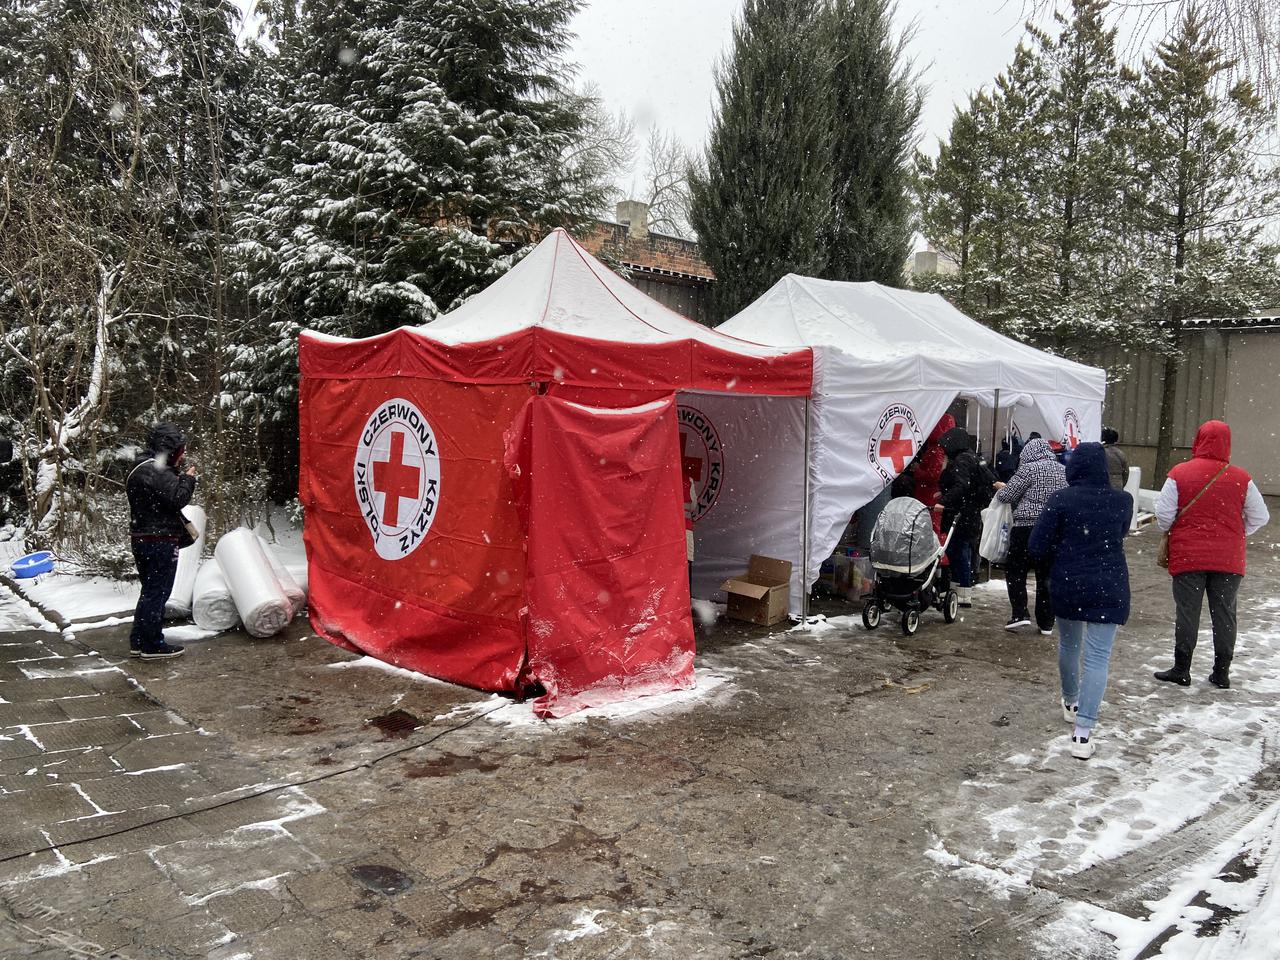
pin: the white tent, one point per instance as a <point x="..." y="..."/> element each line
<point x="887" y="365"/>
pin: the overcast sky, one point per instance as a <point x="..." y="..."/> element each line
<point x="656" y="59"/>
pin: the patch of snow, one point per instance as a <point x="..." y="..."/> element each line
<point x="189" y="632"/>
<point x="80" y="598"/>
<point x="98" y="624"/>
<point x="373" y="663"/>
<point x="17" y="614"/>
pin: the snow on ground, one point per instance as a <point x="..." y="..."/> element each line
<point x="80" y="598"/>
<point x="1238" y="885"/>
<point x="709" y="687"/>
<point x="17" y="614"/>
<point x="1167" y="756"/>
<point x="373" y="663"/>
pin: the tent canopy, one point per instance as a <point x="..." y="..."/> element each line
<point x="495" y="498"/>
<point x="888" y="364"/>
<point x="891" y="338"/>
<point x="560" y="316"/>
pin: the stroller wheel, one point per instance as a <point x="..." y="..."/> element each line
<point x="910" y="622"/>
<point x="951" y="607"/>
<point x="871" y="615"/>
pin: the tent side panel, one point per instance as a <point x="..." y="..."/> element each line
<point x="860" y="443"/>
<point x="607" y="581"/>
<point x="745" y="458"/>
<point x="405" y="352"/>
<point x="414" y="546"/>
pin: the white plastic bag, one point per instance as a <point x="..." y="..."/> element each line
<point x="996" y="521"/>
<point x="263" y="607"/>
<point x="184" y="581"/>
<point x="211" y="605"/>
<point x="297" y="596"/>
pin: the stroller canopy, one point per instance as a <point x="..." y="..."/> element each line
<point x="903" y="540"/>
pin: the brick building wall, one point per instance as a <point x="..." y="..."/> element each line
<point x="668" y="269"/>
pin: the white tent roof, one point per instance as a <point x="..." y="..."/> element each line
<point x="560" y="286"/>
<point x="887" y="339"/>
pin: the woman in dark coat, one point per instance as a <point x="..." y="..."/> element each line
<point x="965" y="489"/>
<point x="1080" y="534"/>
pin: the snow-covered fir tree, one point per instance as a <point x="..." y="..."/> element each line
<point x="410" y="151"/>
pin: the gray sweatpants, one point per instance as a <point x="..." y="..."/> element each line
<point x="1188" y="597"/>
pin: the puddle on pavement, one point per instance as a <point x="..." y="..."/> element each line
<point x="448" y="764"/>
<point x="381" y="879"/>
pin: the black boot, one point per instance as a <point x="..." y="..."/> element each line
<point x="1179" y="673"/>
<point x="1220" y="677"/>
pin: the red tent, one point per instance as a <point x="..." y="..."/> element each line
<point x="495" y="498"/>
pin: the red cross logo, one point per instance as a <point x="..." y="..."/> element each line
<point x="897" y="448"/>
<point x="395" y="479"/>
<point x="1072" y="439"/>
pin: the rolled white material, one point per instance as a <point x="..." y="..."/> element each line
<point x="184" y="581"/>
<point x="211" y="605"/>
<point x="263" y="606"/>
<point x="297" y="596"/>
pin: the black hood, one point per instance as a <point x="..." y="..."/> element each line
<point x="1088" y="466"/>
<point x="166" y="438"/>
<point x="954" y="442"/>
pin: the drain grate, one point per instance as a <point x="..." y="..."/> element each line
<point x="397" y="724"/>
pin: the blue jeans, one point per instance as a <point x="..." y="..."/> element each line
<point x="1089" y="643"/>
<point x="960" y="553"/>
<point x="157" y="562"/>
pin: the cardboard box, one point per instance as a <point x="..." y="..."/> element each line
<point x="761" y="595"/>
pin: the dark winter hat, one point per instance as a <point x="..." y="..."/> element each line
<point x="954" y="442"/>
<point x="166" y="438"/>
<point x="1110" y="436"/>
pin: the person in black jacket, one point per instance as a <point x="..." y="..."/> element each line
<point x="1080" y="534"/>
<point x="965" y="487"/>
<point x="157" y="493"/>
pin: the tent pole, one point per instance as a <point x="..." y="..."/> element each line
<point x="995" y="424"/>
<point x="804" y="550"/>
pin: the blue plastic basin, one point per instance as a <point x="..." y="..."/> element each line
<point x="33" y="565"/>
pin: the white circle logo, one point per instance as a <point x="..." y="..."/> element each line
<point x="1070" y="429"/>
<point x="701" y="461"/>
<point x="895" y="441"/>
<point x="397" y="475"/>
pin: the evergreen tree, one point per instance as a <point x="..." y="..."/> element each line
<point x="1083" y="167"/>
<point x="411" y="150"/>
<point x="1201" y="199"/>
<point x="876" y="107"/>
<point x="761" y="200"/>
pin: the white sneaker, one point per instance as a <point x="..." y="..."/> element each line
<point x="1081" y="749"/>
<point x="965" y="596"/>
<point x="1046" y="633"/>
<point x="1069" y="711"/>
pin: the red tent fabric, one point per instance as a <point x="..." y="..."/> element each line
<point x="427" y="551"/>
<point x="608" y="602"/>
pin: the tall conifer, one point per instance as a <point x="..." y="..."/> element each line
<point x="761" y="202"/>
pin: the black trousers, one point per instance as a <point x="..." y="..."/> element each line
<point x="1017" y="566"/>
<point x="1188" y="597"/>
<point x="157" y="562"/>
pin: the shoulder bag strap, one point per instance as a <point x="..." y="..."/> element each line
<point x="143" y="464"/>
<point x="1203" y="491"/>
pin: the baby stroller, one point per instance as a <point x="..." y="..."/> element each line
<point x="907" y="558"/>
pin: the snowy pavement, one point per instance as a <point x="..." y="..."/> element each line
<point x="822" y="792"/>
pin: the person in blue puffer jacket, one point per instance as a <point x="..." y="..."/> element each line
<point x="1080" y="534"/>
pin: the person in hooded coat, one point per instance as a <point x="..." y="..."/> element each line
<point x="157" y="493"/>
<point x="1080" y="535"/>
<point x="1206" y="547"/>
<point x="1038" y="477"/>
<point x="965" y="488"/>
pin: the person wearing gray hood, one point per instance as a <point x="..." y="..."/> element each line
<point x="1038" y="477"/>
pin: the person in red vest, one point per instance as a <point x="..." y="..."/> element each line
<point x="1207" y="507"/>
